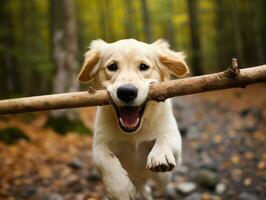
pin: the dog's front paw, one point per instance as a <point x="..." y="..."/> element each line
<point x="161" y="161"/>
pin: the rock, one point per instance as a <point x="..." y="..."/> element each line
<point x="251" y="117"/>
<point x="75" y="163"/>
<point x="186" y="187"/>
<point x="193" y="196"/>
<point x="251" y="128"/>
<point x="28" y="191"/>
<point x="207" y="178"/>
<point x="220" y="188"/>
<point x="94" y="175"/>
<point x="212" y="166"/>
<point x="209" y="196"/>
<point x="72" y="181"/>
<point x="206" y="159"/>
<point x="53" y="196"/>
<point x="256" y="112"/>
<point x="170" y="192"/>
<point x="247" y="196"/>
<point x="193" y="133"/>
<point x="182" y="170"/>
<point x="183" y="131"/>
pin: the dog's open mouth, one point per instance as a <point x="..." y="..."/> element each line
<point x="129" y="117"/>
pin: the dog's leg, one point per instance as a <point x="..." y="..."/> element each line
<point x="144" y="190"/>
<point x="116" y="180"/>
<point x="165" y="153"/>
<point x="146" y="193"/>
<point x="162" y="180"/>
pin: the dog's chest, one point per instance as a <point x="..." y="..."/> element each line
<point x="133" y="157"/>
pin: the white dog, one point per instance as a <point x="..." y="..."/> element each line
<point x="134" y="140"/>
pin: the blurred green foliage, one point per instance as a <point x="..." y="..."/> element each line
<point x="12" y="135"/>
<point x="63" y="125"/>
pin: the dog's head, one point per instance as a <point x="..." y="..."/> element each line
<point x="126" y="69"/>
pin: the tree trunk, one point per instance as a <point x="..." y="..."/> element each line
<point x="195" y="37"/>
<point x="263" y="24"/>
<point x="146" y="21"/>
<point x="65" y="49"/>
<point x="129" y="21"/>
<point x="109" y="19"/>
<point x="102" y="19"/>
<point x="220" y="12"/>
<point x="170" y="31"/>
<point x="258" y="43"/>
<point x="237" y="33"/>
<point x="10" y="82"/>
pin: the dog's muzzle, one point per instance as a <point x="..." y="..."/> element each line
<point x="128" y="115"/>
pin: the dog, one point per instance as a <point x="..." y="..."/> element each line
<point x="134" y="139"/>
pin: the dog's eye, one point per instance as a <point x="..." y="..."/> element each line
<point x="143" y="67"/>
<point x="113" y="67"/>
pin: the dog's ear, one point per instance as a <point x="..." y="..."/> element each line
<point x="173" y="61"/>
<point x="91" y="61"/>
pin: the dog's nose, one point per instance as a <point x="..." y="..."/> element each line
<point x="127" y="93"/>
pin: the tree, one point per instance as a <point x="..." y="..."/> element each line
<point x="170" y="31"/>
<point x="258" y="42"/>
<point x="102" y="19"/>
<point x="146" y="21"/>
<point x="195" y="37"/>
<point x="110" y="21"/>
<point x="65" y="48"/>
<point x="129" y="19"/>
<point x="10" y="80"/>
<point x="220" y="33"/>
<point x="262" y="5"/>
<point x="237" y="32"/>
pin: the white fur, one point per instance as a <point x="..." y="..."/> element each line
<point x="124" y="159"/>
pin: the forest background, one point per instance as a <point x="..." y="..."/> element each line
<point x="42" y="42"/>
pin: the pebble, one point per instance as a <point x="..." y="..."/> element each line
<point x="193" y="133"/>
<point x="247" y="196"/>
<point x="220" y="188"/>
<point x="28" y="191"/>
<point x="207" y="178"/>
<point x="170" y="192"/>
<point x="256" y="112"/>
<point x="182" y="169"/>
<point x="193" y="196"/>
<point x="183" y="131"/>
<point x="212" y="166"/>
<point x="186" y="187"/>
<point x="94" y="175"/>
<point x="53" y="196"/>
<point x="75" y="163"/>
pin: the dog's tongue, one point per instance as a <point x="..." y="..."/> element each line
<point x="129" y="117"/>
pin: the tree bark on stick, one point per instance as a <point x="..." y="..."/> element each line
<point x="231" y="78"/>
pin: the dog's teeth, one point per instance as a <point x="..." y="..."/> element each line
<point x="127" y="125"/>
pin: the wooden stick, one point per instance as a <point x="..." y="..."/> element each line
<point x="231" y="78"/>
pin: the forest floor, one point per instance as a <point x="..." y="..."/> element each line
<point x="224" y="152"/>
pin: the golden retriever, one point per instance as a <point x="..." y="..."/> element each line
<point x="134" y="139"/>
